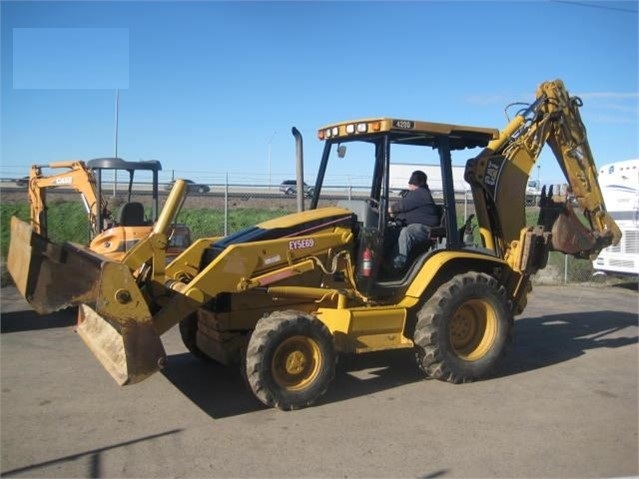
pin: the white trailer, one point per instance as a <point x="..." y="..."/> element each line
<point x="620" y="188"/>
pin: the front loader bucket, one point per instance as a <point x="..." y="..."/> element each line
<point x="51" y="276"/>
<point x="113" y="320"/>
<point x="129" y="356"/>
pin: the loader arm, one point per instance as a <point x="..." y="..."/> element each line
<point x="499" y="174"/>
<point x="78" y="177"/>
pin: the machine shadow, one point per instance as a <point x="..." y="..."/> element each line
<point x="29" y="320"/>
<point x="546" y="340"/>
<point x="360" y="375"/>
<point x="220" y="391"/>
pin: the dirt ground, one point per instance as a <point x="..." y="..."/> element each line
<point x="563" y="404"/>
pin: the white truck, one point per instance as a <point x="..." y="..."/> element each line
<point x="400" y="173"/>
<point x="533" y="192"/>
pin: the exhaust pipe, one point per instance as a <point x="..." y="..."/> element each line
<point x="299" y="167"/>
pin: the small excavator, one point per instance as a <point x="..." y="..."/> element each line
<point x="111" y="234"/>
<point x="282" y="299"/>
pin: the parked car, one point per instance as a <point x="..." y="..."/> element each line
<point x="289" y="187"/>
<point x="533" y="193"/>
<point x="192" y="186"/>
<point x="24" y="181"/>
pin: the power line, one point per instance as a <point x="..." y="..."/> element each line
<point x="603" y="7"/>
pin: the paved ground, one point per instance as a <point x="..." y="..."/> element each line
<point x="564" y="404"/>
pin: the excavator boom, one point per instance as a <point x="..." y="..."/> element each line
<point x="76" y="176"/>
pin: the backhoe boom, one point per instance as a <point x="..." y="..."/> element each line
<point x="498" y="178"/>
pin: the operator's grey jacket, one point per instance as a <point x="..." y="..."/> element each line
<point x="417" y="206"/>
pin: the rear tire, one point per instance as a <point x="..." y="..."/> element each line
<point x="463" y="330"/>
<point x="290" y="360"/>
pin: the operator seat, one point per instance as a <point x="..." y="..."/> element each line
<point x="438" y="233"/>
<point x="131" y="214"/>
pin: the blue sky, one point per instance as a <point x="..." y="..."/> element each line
<point x="210" y="88"/>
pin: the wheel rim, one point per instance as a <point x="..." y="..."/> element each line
<point x="296" y="363"/>
<point x="473" y="329"/>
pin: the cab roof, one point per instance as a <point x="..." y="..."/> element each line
<point x="410" y="132"/>
<point x="120" y="164"/>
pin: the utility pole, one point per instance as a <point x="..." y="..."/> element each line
<point x="270" y="140"/>
<point x="115" y="155"/>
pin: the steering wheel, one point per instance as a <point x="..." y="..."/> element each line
<point x="394" y="222"/>
<point x="373" y="203"/>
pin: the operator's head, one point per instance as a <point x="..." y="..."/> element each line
<point x="418" y="179"/>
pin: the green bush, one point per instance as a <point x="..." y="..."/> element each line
<point x="6" y="212"/>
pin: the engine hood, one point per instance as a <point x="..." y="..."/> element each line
<point x="289" y="226"/>
<point x="295" y="224"/>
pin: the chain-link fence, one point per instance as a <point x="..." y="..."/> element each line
<point x="564" y="269"/>
<point x="229" y="201"/>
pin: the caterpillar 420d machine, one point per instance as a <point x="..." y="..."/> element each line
<point x="283" y="298"/>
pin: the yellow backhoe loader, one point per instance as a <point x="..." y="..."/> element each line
<point x="285" y="297"/>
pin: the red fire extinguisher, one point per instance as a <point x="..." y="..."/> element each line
<point x="367" y="262"/>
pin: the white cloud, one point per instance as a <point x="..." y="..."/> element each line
<point x="610" y="95"/>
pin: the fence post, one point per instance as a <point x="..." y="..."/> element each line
<point x="565" y="269"/>
<point x="465" y="204"/>
<point x="226" y="205"/>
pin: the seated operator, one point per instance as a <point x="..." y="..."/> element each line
<point x="419" y="212"/>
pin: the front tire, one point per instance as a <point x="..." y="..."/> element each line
<point x="188" y="332"/>
<point x="463" y="330"/>
<point x="290" y="360"/>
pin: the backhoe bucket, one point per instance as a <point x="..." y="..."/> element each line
<point x="113" y="320"/>
<point x="569" y="234"/>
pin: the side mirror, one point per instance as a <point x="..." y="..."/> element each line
<point x="341" y="151"/>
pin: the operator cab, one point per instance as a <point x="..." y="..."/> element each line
<point x="131" y="213"/>
<point x="372" y="146"/>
